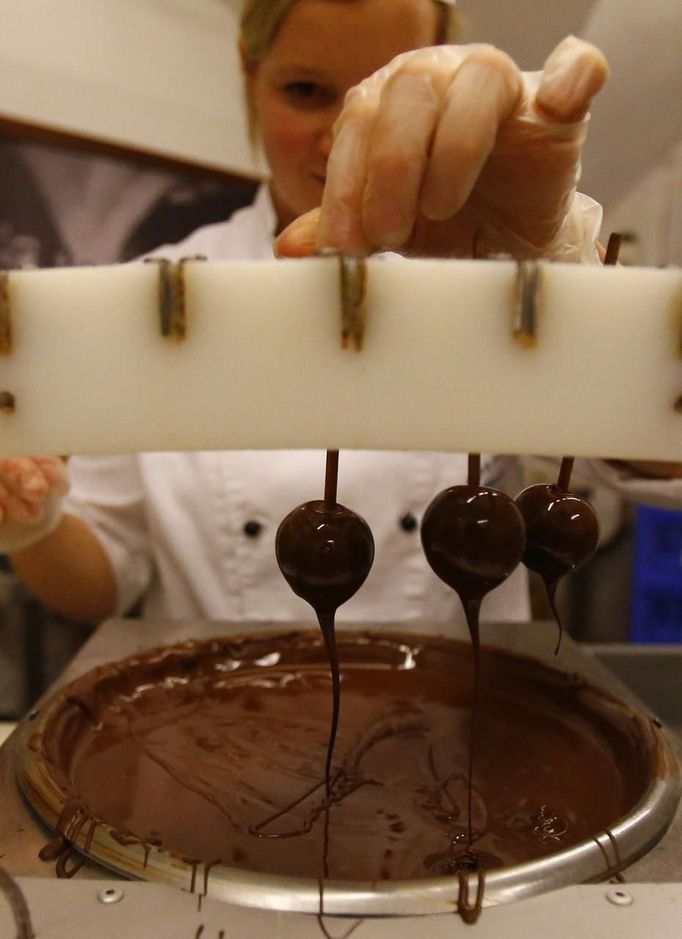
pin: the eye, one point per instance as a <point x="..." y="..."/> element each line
<point x="301" y="89"/>
<point x="308" y="94"/>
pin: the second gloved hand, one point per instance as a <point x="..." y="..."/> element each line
<point x="31" y="493"/>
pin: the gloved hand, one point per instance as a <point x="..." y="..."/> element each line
<point x="452" y="143"/>
<point x="31" y="493"/>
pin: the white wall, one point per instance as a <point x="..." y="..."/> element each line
<point x="156" y="75"/>
<point x="633" y="157"/>
<point x="651" y="208"/>
<point x="633" y="162"/>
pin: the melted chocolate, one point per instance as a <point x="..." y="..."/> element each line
<point x="473" y="538"/>
<point x="17" y="903"/>
<point x="614" y="863"/>
<point x="325" y="552"/>
<point x="193" y="748"/>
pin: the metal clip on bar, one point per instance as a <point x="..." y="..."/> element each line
<point x="677" y="404"/>
<point x="353" y="290"/>
<point x="353" y="272"/>
<point x="679" y="320"/>
<point x="5" y="315"/>
<point x="7" y="399"/>
<point x="526" y="303"/>
<point x="7" y="402"/>
<point x="172" y="305"/>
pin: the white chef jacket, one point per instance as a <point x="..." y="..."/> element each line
<point x="194" y="533"/>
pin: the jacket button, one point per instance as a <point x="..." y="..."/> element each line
<point x="252" y="528"/>
<point x="408" y="522"/>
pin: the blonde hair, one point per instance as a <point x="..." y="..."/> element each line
<point x="261" y="20"/>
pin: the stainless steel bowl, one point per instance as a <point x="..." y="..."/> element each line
<point x="592" y="860"/>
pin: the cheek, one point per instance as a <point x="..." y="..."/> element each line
<point x="286" y="135"/>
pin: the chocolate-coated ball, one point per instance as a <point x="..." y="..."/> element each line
<point x="562" y="530"/>
<point x="473" y="538"/>
<point x="325" y="552"/>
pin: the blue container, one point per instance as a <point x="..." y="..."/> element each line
<point x="657" y="583"/>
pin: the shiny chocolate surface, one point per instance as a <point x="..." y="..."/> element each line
<point x="215" y="751"/>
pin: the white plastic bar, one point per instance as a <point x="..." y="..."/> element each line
<point x="262" y="365"/>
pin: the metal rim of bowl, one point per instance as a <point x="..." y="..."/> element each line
<point x="592" y="860"/>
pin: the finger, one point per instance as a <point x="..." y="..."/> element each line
<point x="340" y="223"/>
<point x="573" y="74"/>
<point x="18" y="510"/>
<point x="24" y="478"/>
<point x="399" y="150"/>
<point x="486" y="89"/>
<point x="298" y="240"/>
<point x="12" y="469"/>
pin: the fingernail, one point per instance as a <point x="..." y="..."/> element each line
<point x="573" y="74"/>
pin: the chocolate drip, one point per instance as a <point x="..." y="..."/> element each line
<point x="69" y="863"/>
<point x="62" y="848"/>
<point x="193" y="866"/>
<point x="325" y="552"/>
<point x="473" y="606"/>
<point x="473" y="538"/>
<point x="468" y="911"/>
<point x="326" y="621"/>
<point x="17" y="902"/>
<point x="207" y="870"/>
<point x="320" y="920"/>
<point x="617" y="861"/>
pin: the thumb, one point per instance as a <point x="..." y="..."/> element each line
<point x="573" y="74"/>
<point x="298" y="240"/>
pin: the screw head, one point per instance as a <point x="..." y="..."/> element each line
<point x="620" y="897"/>
<point x="110" y="895"/>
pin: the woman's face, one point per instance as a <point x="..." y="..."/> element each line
<point x="322" y="49"/>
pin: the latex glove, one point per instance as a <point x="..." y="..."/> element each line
<point x="451" y="143"/>
<point x="31" y="493"/>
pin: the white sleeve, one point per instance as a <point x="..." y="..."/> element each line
<point x="107" y="494"/>
<point x="664" y="493"/>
